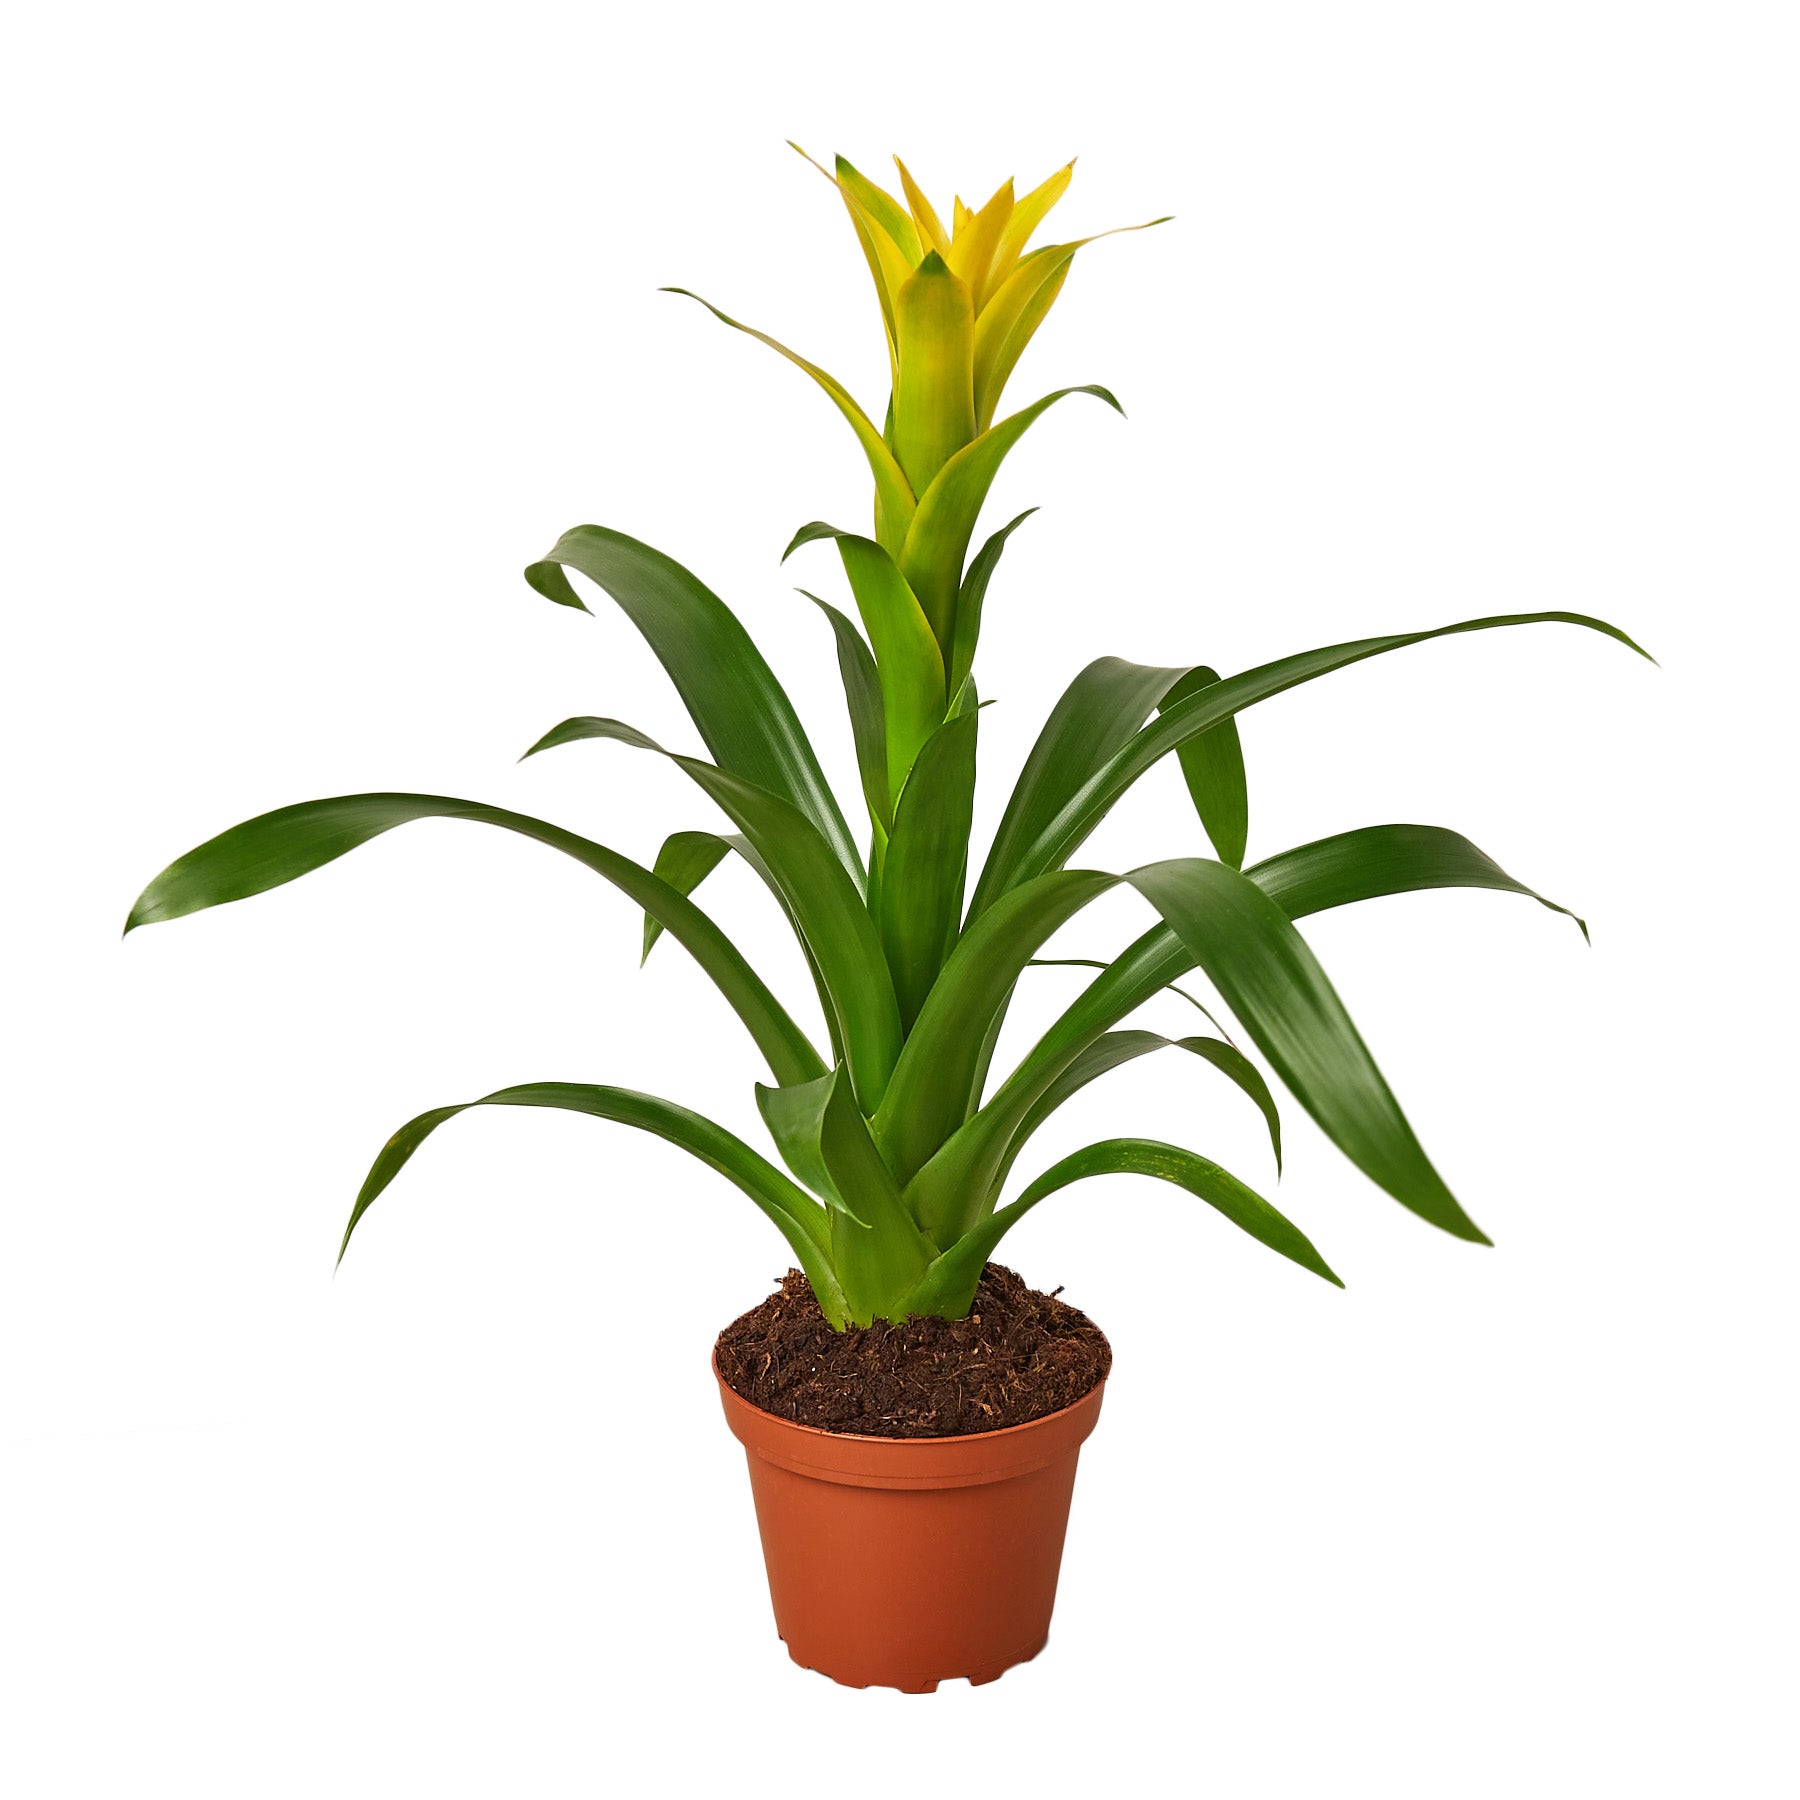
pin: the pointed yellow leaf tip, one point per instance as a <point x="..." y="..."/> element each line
<point x="931" y="227"/>
<point x="813" y="160"/>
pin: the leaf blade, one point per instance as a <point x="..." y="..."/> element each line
<point x="741" y="711"/>
<point x="800" y="1221"/>
<point x="949" y="1284"/>
<point x="278" y="847"/>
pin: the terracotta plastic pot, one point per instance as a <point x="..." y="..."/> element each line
<point x="903" y="1562"/>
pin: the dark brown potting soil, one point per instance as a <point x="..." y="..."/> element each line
<point x="1017" y="1356"/>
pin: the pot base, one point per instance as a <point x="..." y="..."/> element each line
<point x="926" y="1684"/>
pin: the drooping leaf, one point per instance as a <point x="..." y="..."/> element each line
<point x="937" y="537"/>
<point x="684" y="861"/>
<point x="796" y="1217"/>
<point x="1050" y="836"/>
<point x="1383" y="859"/>
<point x="825" y="905"/>
<point x="1332" y="873"/>
<point x="280" y="846"/>
<point x="926" y="863"/>
<point x="952" y="1188"/>
<point x="1269" y="977"/>
<point x="893" y="497"/>
<point x="1114" y="1049"/>
<point x="741" y="711"/>
<point x="1212" y="765"/>
<point x="949" y="1284"/>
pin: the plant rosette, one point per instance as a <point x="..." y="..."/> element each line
<point x="906" y="1559"/>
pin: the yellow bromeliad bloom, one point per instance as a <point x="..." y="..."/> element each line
<point x="958" y="306"/>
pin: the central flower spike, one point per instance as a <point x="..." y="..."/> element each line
<point x="958" y="307"/>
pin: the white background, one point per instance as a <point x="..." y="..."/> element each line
<point x="324" y="320"/>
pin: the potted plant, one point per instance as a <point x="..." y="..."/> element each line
<point x="911" y="1413"/>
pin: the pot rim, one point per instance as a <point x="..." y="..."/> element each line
<point x="867" y="1437"/>
<point x="858" y="1459"/>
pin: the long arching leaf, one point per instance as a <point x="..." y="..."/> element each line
<point x="280" y="846"/>
<point x="1116" y="1048"/>
<point x="1212" y="765"/>
<point x="797" y="1218"/>
<point x="1048" y="836"/>
<point x="1380" y="860"/>
<point x="949" y="1283"/>
<point x="1271" y="980"/>
<point x="893" y="496"/>
<point x="826" y="907"/>
<point x="741" y="711"/>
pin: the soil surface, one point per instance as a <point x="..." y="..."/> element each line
<point x="1017" y="1356"/>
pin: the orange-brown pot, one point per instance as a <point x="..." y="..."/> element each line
<point x="903" y="1562"/>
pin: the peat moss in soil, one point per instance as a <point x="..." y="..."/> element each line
<point x="1018" y="1356"/>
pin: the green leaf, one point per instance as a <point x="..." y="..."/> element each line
<point x="937" y="537"/>
<point x="1050" y="840"/>
<point x="969" y="599"/>
<point x="684" y="861"/>
<point x="868" y="716"/>
<point x="932" y="1090"/>
<point x="1271" y="980"/>
<point x="955" y="1184"/>
<point x="907" y="659"/>
<point x="280" y="846"/>
<point x="1099" y="713"/>
<point x="876" y="1249"/>
<point x="894" y="500"/>
<point x="949" y="1284"/>
<point x="1116" y="1048"/>
<point x="744" y="717"/>
<point x="1094" y="962"/>
<point x="934" y="396"/>
<point x="825" y="905"/>
<point x="796" y="1217"/>
<point x="920" y="903"/>
<point x="1379" y="860"/>
<point x="1212" y="764"/>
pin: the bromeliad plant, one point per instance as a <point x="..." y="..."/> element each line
<point x="898" y="1142"/>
